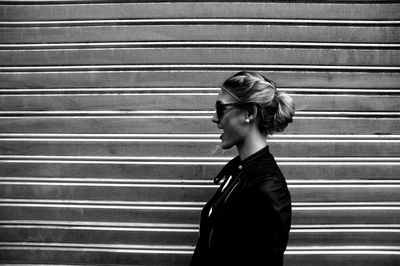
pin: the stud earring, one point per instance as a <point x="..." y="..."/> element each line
<point x="247" y="120"/>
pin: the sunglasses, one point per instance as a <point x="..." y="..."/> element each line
<point x="221" y="107"/>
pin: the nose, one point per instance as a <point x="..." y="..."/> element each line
<point x="215" y="118"/>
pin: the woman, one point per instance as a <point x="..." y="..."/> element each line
<point x="247" y="221"/>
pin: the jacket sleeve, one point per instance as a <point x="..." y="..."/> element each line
<point x="264" y="221"/>
<point x="273" y="203"/>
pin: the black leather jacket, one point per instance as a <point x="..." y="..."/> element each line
<point x="247" y="221"/>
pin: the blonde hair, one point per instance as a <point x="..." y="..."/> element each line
<point x="275" y="109"/>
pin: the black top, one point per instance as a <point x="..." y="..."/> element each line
<point x="247" y="221"/>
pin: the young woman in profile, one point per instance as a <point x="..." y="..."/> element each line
<point x="247" y="221"/>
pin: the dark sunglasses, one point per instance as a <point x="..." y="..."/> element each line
<point x="221" y="107"/>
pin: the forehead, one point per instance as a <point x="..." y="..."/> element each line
<point x="225" y="97"/>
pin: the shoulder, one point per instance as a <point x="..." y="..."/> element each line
<point x="267" y="177"/>
<point x="265" y="168"/>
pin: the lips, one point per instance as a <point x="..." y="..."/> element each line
<point x="222" y="135"/>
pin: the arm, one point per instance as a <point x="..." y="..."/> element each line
<point x="262" y="222"/>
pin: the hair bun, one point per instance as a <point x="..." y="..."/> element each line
<point x="284" y="113"/>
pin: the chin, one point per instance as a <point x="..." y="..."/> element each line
<point x="226" y="145"/>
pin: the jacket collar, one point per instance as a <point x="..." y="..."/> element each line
<point x="236" y="163"/>
<point x="228" y="168"/>
<point x="255" y="157"/>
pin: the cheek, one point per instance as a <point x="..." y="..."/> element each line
<point x="233" y="128"/>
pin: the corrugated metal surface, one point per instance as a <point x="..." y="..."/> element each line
<point x="107" y="150"/>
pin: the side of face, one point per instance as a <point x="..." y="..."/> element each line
<point x="232" y="122"/>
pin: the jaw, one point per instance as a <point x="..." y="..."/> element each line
<point x="229" y="141"/>
<point x="225" y="144"/>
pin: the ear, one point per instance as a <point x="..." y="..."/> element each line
<point x="252" y="113"/>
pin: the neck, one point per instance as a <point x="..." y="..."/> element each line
<point x="253" y="142"/>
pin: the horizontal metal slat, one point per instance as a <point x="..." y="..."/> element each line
<point x="187" y="237"/>
<point x="234" y="32"/>
<point x="185" y="101"/>
<point x="202" y="55"/>
<point x="192" y="147"/>
<point x="198" y="21"/>
<point x="91" y="91"/>
<point x="308" y="256"/>
<point x="52" y="10"/>
<point x="54" y="254"/>
<point x="154" y="212"/>
<point x="186" y="124"/>
<point x="62" y="2"/>
<point x="204" y="77"/>
<point x="187" y="114"/>
<point x="24" y="168"/>
<point x="188" y="192"/>
<point x="195" y="160"/>
<point x="279" y="137"/>
<point x="87" y="68"/>
<point x="197" y="44"/>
